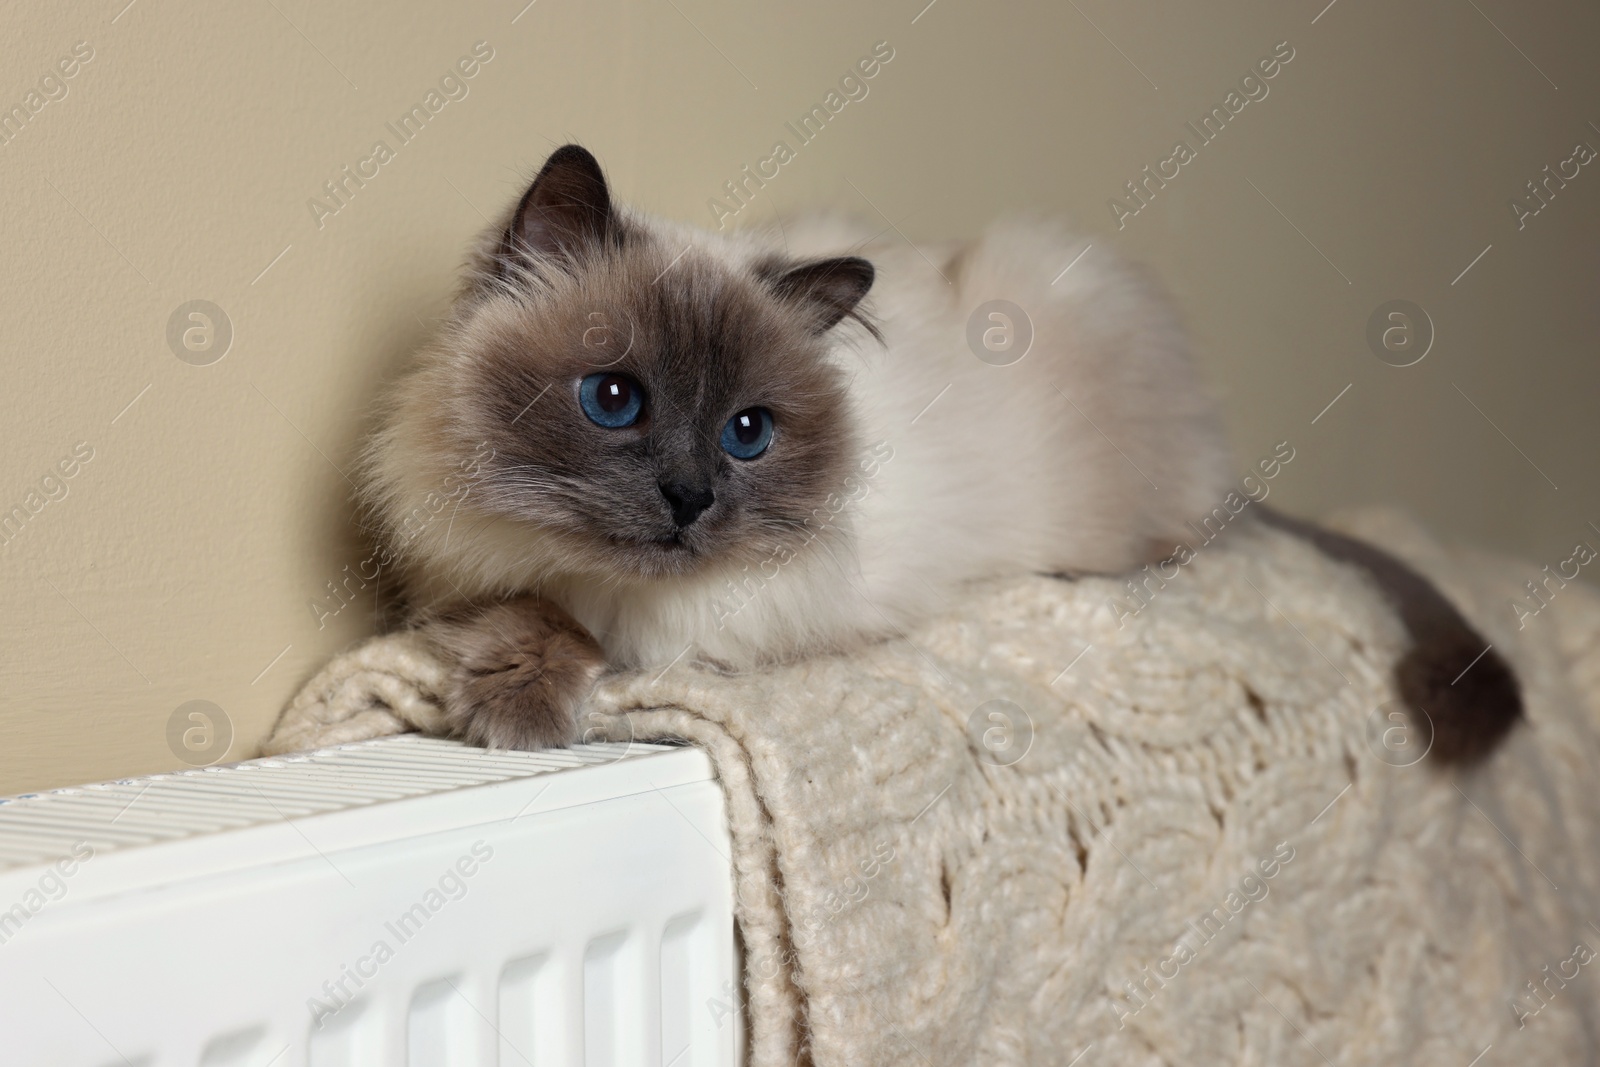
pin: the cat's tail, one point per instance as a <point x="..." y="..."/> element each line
<point x="1451" y="674"/>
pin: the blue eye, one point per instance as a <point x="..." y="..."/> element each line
<point x="611" y="400"/>
<point x="748" y="433"/>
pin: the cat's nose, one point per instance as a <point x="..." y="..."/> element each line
<point x="686" y="501"/>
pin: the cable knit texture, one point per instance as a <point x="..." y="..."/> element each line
<point x="1192" y="835"/>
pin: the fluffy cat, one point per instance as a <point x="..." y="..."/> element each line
<point x="693" y="441"/>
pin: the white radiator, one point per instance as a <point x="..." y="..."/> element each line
<point x="404" y="901"/>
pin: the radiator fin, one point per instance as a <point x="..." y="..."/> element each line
<point x="440" y="1023"/>
<point x="682" y="974"/>
<point x="604" y="972"/>
<point x="530" y="1013"/>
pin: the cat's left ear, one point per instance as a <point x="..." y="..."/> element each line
<point x="829" y="289"/>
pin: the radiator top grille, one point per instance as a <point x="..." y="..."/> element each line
<point x="37" y="828"/>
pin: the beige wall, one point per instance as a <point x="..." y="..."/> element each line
<point x="184" y="557"/>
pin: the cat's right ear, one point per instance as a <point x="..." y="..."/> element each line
<point x="566" y="211"/>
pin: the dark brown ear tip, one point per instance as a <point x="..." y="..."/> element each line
<point x="1471" y="696"/>
<point x="569" y="155"/>
<point x="862" y="268"/>
<point x="856" y="274"/>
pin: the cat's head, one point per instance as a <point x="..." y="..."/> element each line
<point x="633" y="400"/>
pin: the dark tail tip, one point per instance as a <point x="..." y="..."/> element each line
<point x="1451" y="678"/>
<point x="1468" y="692"/>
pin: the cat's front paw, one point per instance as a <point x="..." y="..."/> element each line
<point x="521" y="669"/>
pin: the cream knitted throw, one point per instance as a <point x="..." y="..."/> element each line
<point x="1207" y="853"/>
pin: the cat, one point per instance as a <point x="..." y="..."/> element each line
<point x="684" y="441"/>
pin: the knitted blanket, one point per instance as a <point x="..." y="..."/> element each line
<point x="1064" y="824"/>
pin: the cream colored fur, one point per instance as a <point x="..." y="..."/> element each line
<point x="1087" y="455"/>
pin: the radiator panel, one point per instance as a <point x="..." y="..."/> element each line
<point x="401" y="901"/>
